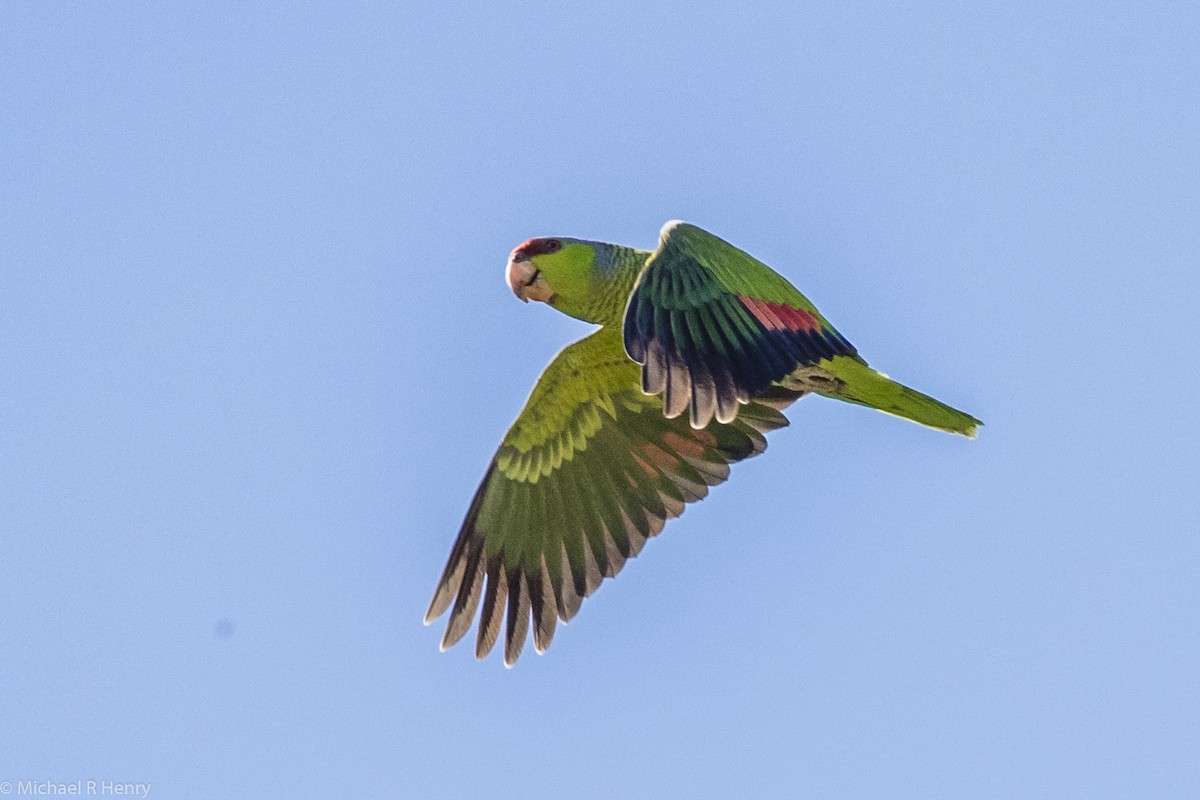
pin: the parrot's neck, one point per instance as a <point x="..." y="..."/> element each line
<point x="619" y="274"/>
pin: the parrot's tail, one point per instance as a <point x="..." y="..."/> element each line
<point x="858" y="383"/>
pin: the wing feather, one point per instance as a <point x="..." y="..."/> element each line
<point x="518" y="618"/>
<point x="467" y="600"/>
<point x="491" y="617"/>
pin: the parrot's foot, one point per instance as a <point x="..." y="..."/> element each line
<point x="811" y="379"/>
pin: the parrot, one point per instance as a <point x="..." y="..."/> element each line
<point x="700" y="348"/>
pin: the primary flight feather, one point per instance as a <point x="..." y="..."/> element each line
<point x="699" y="350"/>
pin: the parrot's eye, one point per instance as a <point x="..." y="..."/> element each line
<point x="553" y="245"/>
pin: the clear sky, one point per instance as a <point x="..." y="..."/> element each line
<point x="256" y="350"/>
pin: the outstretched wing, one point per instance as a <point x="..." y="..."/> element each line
<point x="713" y="327"/>
<point x="590" y="470"/>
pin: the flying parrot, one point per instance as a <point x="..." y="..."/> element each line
<point x="700" y="348"/>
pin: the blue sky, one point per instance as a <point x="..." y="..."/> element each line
<point x="256" y="350"/>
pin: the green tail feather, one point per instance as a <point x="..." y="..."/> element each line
<point x="862" y="385"/>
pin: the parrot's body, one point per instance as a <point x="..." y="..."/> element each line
<point x="597" y="461"/>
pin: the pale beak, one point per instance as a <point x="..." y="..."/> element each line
<point x="526" y="280"/>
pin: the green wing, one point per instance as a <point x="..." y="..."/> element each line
<point x="714" y="327"/>
<point x="589" y="470"/>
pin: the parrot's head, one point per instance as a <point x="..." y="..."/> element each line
<point x="553" y="270"/>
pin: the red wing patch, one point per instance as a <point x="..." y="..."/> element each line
<point x="780" y="316"/>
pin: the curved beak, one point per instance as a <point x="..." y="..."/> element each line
<point x="526" y="280"/>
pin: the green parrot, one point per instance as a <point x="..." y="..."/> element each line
<point x="603" y="454"/>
